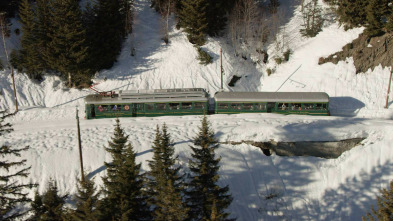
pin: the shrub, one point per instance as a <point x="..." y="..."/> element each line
<point x="17" y="31"/>
<point x="16" y="60"/>
<point x="204" y="57"/>
<point x="278" y="60"/>
<point x="287" y="53"/>
<point x="269" y="71"/>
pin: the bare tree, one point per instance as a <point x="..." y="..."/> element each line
<point x="165" y="8"/>
<point x="4" y="26"/>
<point x="312" y="18"/>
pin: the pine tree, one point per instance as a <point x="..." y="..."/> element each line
<point x="87" y="199"/>
<point x="217" y="15"/>
<point x="165" y="183"/>
<point x="43" y="29"/>
<point x="384" y="210"/>
<point x="193" y="17"/>
<point x="67" y="49"/>
<point x="124" y="198"/>
<point x="389" y="23"/>
<point x="206" y="199"/>
<point x="352" y="12"/>
<point x="12" y="192"/>
<point x="30" y="52"/>
<point x="50" y="205"/>
<point x="376" y="10"/>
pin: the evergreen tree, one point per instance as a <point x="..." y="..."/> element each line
<point x="206" y="199"/>
<point x="30" y="55"/>
<point x="124" y="198"/>
<point x="389" y="23"/>
<point x="87" y="199"/>
<point x="12" y="192"/>
<point x="273" y="6"/>
<point x="50" y="205"/>
<point x="193" y="18"/>
<point x="165" y="183"/>
<point x="217" y="15"/>
<point x="376" y="11"/>
<point x="67" y="50"/>
<point x="384" y="210"/>
<point x="352" y="12"/>
<point x="43" y="29"/>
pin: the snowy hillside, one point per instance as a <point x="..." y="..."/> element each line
<point x="307" y="188"/>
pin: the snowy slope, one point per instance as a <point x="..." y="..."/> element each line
<point x="308" y="188"/>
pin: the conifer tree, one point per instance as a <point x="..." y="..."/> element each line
<point x="12" y="192"/>
<point x="87" y="199"/>
<point x="217" y="11"/>
<point x="30" y="55"/>
<point x="43" y="29"/>
<point x="389" y="23"/>
<point x="124" y="198"/>
<point x="193" y="18"/>
<point x="205" y="198"/>
<point x="67" y="50"/>
<point x="352" y="12"/>
<point x="384" y="209"/>
<point x="376" y="11"/>
<point x="165" y="183"/>
<point x="49" y="205"/>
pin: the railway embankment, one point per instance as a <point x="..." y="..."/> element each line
<point x="323" y="149"/>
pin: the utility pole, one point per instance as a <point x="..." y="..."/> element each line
<point x="3" y="26"/>
<point x="390" y="81"/>
<point x="80" y="146"/>
<point x="222" y="70"/>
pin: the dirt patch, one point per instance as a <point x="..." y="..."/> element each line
<point x="323" y="149"/>
<point x="367" y="53"/>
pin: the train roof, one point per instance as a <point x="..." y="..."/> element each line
<point x="272" y="96"/>
<point x="150" y="96"/>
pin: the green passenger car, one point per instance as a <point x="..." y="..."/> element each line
<point x="310" y="103"/>
<point x="159" y="102"/>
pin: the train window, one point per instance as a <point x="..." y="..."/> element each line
<point x="260" y="106"/>
<point x="199" y="106"/>
<point x="174" y="106"/>
<point x="283" y="106"/>
<point x="321" y="106"/>
<point x="308" y="106"/>
<point x="149" y="107"/>
<point x="222" y="106"/>
<point x="248" y="106"/>
<point x="160" y="106"/>
<point x="186" y="106"/>
<point x="296" y="106"/>
<point x="236" y="106"/>
<point x="115" y="107"/>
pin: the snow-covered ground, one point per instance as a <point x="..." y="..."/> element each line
<point x="307" y="188"/>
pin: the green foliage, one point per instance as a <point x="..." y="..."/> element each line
<point x="278" y="60"/>
<point x="273" y="6"/>
<point x="376" y="11"/>
<point x="87" y="200"/>
<point x="384" y="209"/>
<point x="204" y="57"/>
<point x="287" y="53"/>
<point x="9" y="7"/>
<point x="16" y="60"/>
<point x="49" y="205"/>
<point x="205" y="198"/>
<point x="165" y="184"/>
<point x="216" y="13"/>
<point x="352" y="12"/>
<point x="12" y="192"/>
<point x="312" y="18"/>
<point x="124" y="198"/>
<point x="389" y="23"/>
<point x="193" y="19"/>
<point x="269" y="71"/>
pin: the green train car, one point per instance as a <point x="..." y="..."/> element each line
<point x="310" y="103"/>
<point x="159" y="102"/>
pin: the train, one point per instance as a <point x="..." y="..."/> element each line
<point x="196" y="101"/>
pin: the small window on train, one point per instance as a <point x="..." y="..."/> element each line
<point x="296" y="106"/>
<point x="283" y="106"/>
<point x="174" y="106"/>
<point x="160" y="106"/>
<point x="260" y="106"/>
<point x="149" y="107"/>
<point x="236" y="106"/>
<point x="308" y="106"/>
<point x="222" y="106"/>
<point x="115" y="107"/>
<point x="186" y="106"/>
<point x="321" y="106"/>
<point x="199" y="106"/>
<point x="248" y="106"/>
<point x="103" y="108"/>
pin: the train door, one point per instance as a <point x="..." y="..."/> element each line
<point x="134" y="110"/>
<point x="270" y="106"/>
<point x="92" y="111"/>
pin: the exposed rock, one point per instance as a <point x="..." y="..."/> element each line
<point x="367" y="53"/>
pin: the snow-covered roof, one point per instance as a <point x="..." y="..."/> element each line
<point x="272" y="96"/>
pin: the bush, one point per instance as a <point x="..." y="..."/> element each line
<point x="204" y="57"/>
<point x="269" y="71"/>
<point x="287" y="53"/>
<point x="16" y="60"/>
<point x="278" y="60"/>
